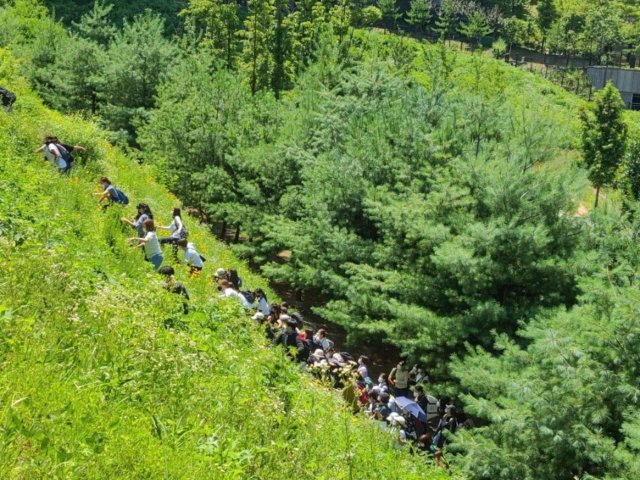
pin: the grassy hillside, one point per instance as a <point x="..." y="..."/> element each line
<point x="93" y="385"/>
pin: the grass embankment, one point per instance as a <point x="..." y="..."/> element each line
<point x="92" y="383"/>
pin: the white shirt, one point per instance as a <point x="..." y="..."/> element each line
<point x="151" y="245"/>
<point x="52" y="154"/>
<point x="176" y="226"/>
<point x="231" y="293"/>
<point x="192" y="256"/>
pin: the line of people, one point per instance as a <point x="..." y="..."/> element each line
<point x="397" y="401"/>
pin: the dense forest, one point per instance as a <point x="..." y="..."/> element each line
<point x="477" y="217"/>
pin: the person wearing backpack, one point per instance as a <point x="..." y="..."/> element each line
<point x="194" y="260"/>
<point x="58" y="153"/>
<point x="177" y="229"/>
<point x="144" y="214"/>
<point x="111" y="193"/>
<point x="7" y="99"/>
<point x="152" y="249"/>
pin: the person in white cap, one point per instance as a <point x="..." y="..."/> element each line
<point x="398" y="423"/>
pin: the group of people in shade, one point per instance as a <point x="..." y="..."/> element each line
<point x="397" y="401"/>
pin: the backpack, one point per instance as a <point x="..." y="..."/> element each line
<point x="298" y="318"/>
<point x="249" y="295"/>
<point x="66" y="154"/>
<point x="119" y="197"/>
<point x="8" y="98"/>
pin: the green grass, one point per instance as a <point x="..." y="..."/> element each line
<point x="93" y="385"/>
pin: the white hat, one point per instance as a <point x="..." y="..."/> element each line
<point x="396" y="418"/>
<point x="258" y="316"/>
<point x="319" y="353"/>
<point x="220" y="272"/>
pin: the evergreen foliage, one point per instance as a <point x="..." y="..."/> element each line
<point x="604" y="134"/>
<point x="431" y="196"/>
<point x="419" y="14"/>
<point x="96" y="386"/>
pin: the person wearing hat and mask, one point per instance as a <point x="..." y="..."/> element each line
<point x="398" y="423"/>
<point x="221" y="274"/>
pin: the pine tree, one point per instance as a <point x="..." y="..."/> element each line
<point x="632" y="170"/>
<point x="475" y="27"/>
<point x="257" y="43"/>
<point x="446" y="22"/>
<point x="137" y="62"/>
<point x="390" y="12"/>
<point x="419" y="14"/>
<point x="547" y="14"/>
<point x="220" y="22"/>
<point x="604" y="134"/>
<point x="96" y="25"/>
<point x="281" y="48"/>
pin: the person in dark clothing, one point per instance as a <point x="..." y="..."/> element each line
<point x="450" y="423"/>
<point x="171" y="285"/>
<point x="420" y="398"/>
<point x="7" y="99"/>
<point x="289" y="338"/>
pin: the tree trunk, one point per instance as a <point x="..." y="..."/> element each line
<point x="597" y="196"/>
<point x="223" y="230"/>
<point x="236" y="239"/>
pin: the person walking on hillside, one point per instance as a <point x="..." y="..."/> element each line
<point x="193" y="258"/>
<point x="177" y="229"/>
<point x="152" y="249"/>
<point x="58" y="153"/>
<point x="144" y="214"/>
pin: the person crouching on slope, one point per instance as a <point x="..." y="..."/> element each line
<point x="111" y="193"/>
<point x="152" y="249"/>
<point x="193" y="258"/>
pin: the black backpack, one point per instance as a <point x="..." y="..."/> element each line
<point x="249" y="295"/>
<point x="66" y="154"/>
<point x="8" y="98"/>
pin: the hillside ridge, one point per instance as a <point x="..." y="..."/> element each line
<point x="95" y="386"/>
